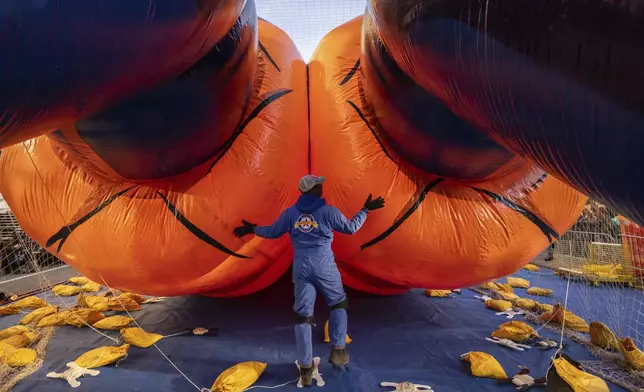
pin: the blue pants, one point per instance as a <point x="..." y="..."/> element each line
<point x="308" y="279"/>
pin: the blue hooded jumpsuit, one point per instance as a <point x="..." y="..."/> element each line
<point x="311" y="223"/>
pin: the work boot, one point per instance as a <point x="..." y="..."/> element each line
<point x="339" y="356"/>
<point x="306" y="375"/>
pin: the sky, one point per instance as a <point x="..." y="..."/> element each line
<point x="307" y="21"/>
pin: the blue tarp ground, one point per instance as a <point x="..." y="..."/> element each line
<point x="407" y="337"/>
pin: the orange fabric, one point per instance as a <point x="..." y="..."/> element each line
<point x="135" y="243"/>
<point x="457" y="236"/>
<point x="159" y="239"/>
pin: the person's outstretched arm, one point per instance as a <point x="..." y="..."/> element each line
<point x="277" y="229"/>
<point x="343" y="225"/>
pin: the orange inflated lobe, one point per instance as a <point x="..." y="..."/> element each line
<point x="142" y="192"/>
<point x="161" y="242"/>
<point x="451" y="220"/>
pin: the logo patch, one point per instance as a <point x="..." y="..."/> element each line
<point x="305" y="223"/>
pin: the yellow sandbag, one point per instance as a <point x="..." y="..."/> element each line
<point x="438" y="293"/>
<point x="9" y="310"/>
<point x="33" y="336"/>
<point x="578" y="380"/>
<point x="543" y="308"/>
<point x="96" y="302"/>
<point x="21" y="340"/>
<point x="602" y="269"/>
<point x="525" y="303"/>
<point x="539" y="291"/>
<point x="602" y="336"/>
<point x="38" y="314"/>
<point x="484" y="365"/>
<point x="239" y="377"/>
<point x="573" y="322"/>
<point x="327" y="339"/>
<point x="519" y="283"/>
<point x="79" y="280"/>
<point x="506" y="295"/>
<point x="65" y="290"/>
<point x="517" y="331"/>
<point x="504" y="287"/>
<point x="489" y="286"/>
<point x="531" y="267"/>
<point x="31" y="302"/>
<point x="82" y="317"/>
<point x="498" y="304"/>
<point x="136" y="297"/>
<point x="5" y="349"/>
<point x="102" y="356"/>
<point x="54" y="320"/>
<point x="12" y="331"/>
<point x="139" y="338"/>
<point x="113" y="323"/>
<point x="121" y="304"/>
<point x="17" y="341"/>
<point x="20" y="357"/>
<point x="633" y="355"/>
<point x="91" y="287"/>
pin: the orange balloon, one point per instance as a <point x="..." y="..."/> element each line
<point x="457" y="213"/>
<point x="435" y="232"/>
<point x="137" y="238"/>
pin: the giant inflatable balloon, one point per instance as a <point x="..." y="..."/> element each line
<point x="144" y="193"/>
<point x="65" y="59"/>
<point x="461" y="209"/>
<point x="150" y="131"/>
<point x="558" y="82"/>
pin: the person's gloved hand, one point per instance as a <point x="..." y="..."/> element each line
<point x="374" y="204"/>
<point x="245" y="229"/>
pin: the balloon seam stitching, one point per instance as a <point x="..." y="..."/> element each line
<point x="196" y="231"/>
<point x="405" y="216"/>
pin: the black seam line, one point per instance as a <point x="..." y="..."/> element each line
<point x="197" y="232"/>
<point x="364" y="119"/>
<point x="274" y="96"/>
<point x="66" y="231"/>
<point x="268" y="56"/>
<point x="351" y="73"/>
<point x="308" y="108"/>
<point x="548" y="231"/>
<point x="405" y="216"/>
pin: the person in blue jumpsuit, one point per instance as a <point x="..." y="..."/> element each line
<point x="311" y="223"/>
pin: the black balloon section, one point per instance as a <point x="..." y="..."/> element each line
<point x="181" y="123"/>
<point x="417" y="126"/>
<point x="558" y="82"/>
<point x="62" y="60"/>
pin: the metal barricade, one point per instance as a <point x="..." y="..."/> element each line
<point x="24" y="265"/>
<point x="598" y="257"/>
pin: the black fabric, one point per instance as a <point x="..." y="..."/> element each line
<point x="299" y="319"/>
<point x="344" y="304"/>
